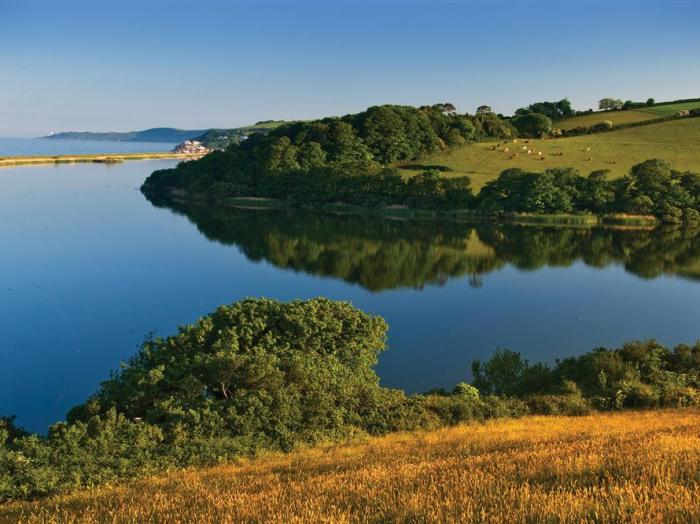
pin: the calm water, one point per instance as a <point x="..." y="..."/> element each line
<point x="88" y="266"/>
<point x="45" y="146"/>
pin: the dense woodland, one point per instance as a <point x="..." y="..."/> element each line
<point x="353" y="160"/>
<point x="263" y="375"/>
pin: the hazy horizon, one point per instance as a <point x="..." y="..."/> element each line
<point x="126" y="66"/>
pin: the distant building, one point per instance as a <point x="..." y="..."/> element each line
<point x="191" y="147"/>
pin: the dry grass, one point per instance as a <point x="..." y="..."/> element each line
<point x="631" y="467"/>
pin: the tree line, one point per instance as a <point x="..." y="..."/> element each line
<point x="264" y="375"/>
<point x="651" y="188"/>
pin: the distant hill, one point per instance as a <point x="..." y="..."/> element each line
<point x="156" y="134"/>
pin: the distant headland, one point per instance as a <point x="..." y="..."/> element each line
<point x="210" y="138"/>
<point x="155" y="134"/>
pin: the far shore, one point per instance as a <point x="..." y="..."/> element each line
<point x="105" y="158"/>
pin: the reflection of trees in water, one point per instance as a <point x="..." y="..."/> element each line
<point x="383" y="254"/>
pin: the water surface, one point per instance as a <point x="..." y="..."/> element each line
<point x="55" y="146"/>
<point x="88" y="267"/>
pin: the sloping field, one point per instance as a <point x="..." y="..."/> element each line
<point x="625" y="117"/>
<point x="616" y="117"/>
<point x="671" y="109"/>
<point x="677" y="141"/>
<point x="622" y="467"/>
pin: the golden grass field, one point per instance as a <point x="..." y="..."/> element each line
<point x="622" y="467"/>
<point x="676" y="141"/>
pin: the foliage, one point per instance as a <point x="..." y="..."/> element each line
<point x="264" y="375"/>
<point x="322" y="152"/>
<point x="532" y="124"/>
<point x="609" y="104"/>
<point x="639" y="374"/>
<point x="552" y="110"/>
<point x="652" y="187"/>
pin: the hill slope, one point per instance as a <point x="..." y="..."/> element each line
<point x="625" y="117"/>
<point x="633" y="466"/>
<point x="676" y="141"/>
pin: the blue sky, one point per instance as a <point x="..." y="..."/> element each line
<point x="117" y="65"/>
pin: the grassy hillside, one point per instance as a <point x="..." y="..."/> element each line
<point x="625" y="117"/>
<point x="675" y="141"/>
<point x="620" y="467"/>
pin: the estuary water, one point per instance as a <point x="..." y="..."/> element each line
<point x="50" y="147"/>
<point x="88" y="267"/>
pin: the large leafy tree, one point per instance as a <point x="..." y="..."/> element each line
<point x="257" y="368"/>
<point x="608" y="104"/>
<point x="532" y="124"/>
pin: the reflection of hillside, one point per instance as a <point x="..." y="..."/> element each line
<point x="374" y="253"/>
<point x="381" y="254"/>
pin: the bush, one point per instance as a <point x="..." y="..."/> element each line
<point x="550" y="404"/>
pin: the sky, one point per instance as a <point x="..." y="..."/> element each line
<point x="120" y="65"/>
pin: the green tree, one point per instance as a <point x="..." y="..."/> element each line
<point x="608" y="104"/>
<point x="501" y="374"/>
<point x="283" y="156"/>
<point x="532" y="124"/>
<point x="278" y="372"/>
<point x="311" y="156"/>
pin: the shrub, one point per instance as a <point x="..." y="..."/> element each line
<point x="550" y="404"/>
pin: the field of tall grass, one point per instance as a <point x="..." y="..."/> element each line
<point x="616" y="151"/>
<point x="619" y="467"/>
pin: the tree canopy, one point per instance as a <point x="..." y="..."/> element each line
<point x="552" y="110"/>
<point x="532" y="124"/>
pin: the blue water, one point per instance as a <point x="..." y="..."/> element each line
<point x="45" y="146"/>
<point x="88" y="267"/>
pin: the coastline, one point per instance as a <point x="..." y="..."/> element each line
<point x="106" y="158"/>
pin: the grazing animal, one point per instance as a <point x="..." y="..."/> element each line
<point x="529" y="151"/>
<point x="506" y="149"/>
<point x="588" y="149"/>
